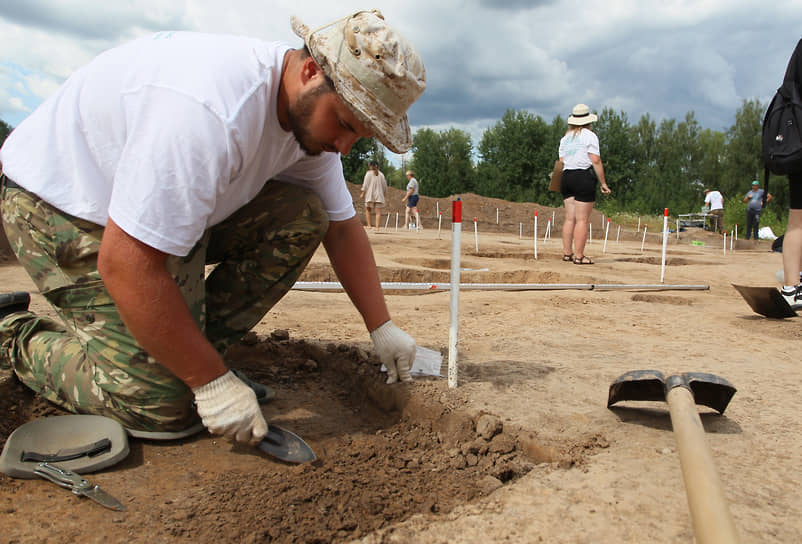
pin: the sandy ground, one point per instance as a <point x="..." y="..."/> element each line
<point x="415" y="463"/>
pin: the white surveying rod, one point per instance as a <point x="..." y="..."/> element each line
<point x="606" y="231"/>
<point x="665" y="243"/>
<point x="387" y="222"/>
<point x="643" y="242"/>
<point x="396" y="221"/>
<point x="475" y="232"/>
<point x="535" y="237"/>
<point x="453" y="329"/>
<point x="618" y="234"/>
<point x="439" y="223"/>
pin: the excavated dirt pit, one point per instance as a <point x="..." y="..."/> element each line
<point x="385" y="453"/>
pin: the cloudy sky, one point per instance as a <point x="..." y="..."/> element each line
<point x="662" y="57"/>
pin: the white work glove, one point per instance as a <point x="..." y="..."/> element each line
<point x="227" y="406"/>
<point x="396" y="349"/>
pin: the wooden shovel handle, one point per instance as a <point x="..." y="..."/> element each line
<point x="712" y="521"/>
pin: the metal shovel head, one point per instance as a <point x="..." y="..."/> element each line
<point x="708" y="389"/>
<point x="286" y="446"/>
<point x="766" y="301"/>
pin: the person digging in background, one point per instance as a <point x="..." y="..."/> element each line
<point x="173" y="152"/>
<point x="715" y="200"/>
<point x="754" y="209"/>
<point x="374" y="190"/>
<point x="411" y="198"/>
<point x="580" y="156"/>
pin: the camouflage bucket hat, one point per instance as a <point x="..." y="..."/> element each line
<point x="375" y="70"/>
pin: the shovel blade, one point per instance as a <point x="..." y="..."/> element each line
<point x="286" y="446"/>
<point x="707" y="389"/>
<point x="766" y="301"/>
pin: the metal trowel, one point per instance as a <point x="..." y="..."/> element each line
<point x="286" y="446"/>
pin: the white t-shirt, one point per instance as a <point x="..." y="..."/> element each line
<point x="574" y="149"/>
<point x="413" y="184"/>
<point x="168" y="135"/>
<point x="715" y="200"/>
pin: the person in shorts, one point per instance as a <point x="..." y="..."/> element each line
<point x="411" y="198"/>
<point x="579" y="153"/>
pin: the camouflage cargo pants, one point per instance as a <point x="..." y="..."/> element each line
<point x="87" y="361"/>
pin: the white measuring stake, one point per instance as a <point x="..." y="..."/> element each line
<point x="453" y="329"/>
<point x="520" y="231"/>
<point x="665" y="242"/>
<point x="437" y="203"/>
<point x="387" y="222"/>
<point x="439" y="222"/>
<point x="590" y="232"/>
<point x="396" y="221"/>
<point x="736" y="232"/>
<point x="606" y="230"/>
<point x="548" y="231"/>
<point x="732" y="239"/>
<point x="725" y="242"/>
<point x="638" y="224"/>
<point x="618" y="234"/>
<point x="644" y="237"/>
<point x="476" y="232"/>
<point x="677" y="228"/>
<point x="535" y="237"/>
<point x="496" y="216"/>
<point x="552" y="216"/>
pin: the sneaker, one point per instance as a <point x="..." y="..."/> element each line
<point x="17" y="301"/>
<point x="793" y="297"/>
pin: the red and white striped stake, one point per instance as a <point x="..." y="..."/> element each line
<point x="439" y="222"/>
<point x="476" y="232"/>
<point x="606" y="231"/>
<point x="453" y="329"/>
<point x="644" y="237"/>
<point x="665" y="243"/>
<point x="535" y="237"/>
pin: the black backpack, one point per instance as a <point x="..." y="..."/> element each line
<point x="782" y="124"/>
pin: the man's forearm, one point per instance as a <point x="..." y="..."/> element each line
<point x="153" y="309"/>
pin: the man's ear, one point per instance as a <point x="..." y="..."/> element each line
<point x="310" y="71"/>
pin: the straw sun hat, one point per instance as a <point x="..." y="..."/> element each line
<point x="375" y="70"/>
<point x="581" y="115"/>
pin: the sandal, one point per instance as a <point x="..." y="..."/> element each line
<point x="583" y="260"/>
<point x="568" y="258"/>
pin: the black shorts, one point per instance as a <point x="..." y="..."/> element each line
<point x="412" y="201"/>
<point x="795" y="191"/>
<point x="580" y="184"/>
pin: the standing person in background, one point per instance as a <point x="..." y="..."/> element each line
<point x="579" y="153"/>
<point x="754" y="208"/>
<point x="715" y="200"/>
<point x="374" y="189"/>
<point x="411" y="198"/>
